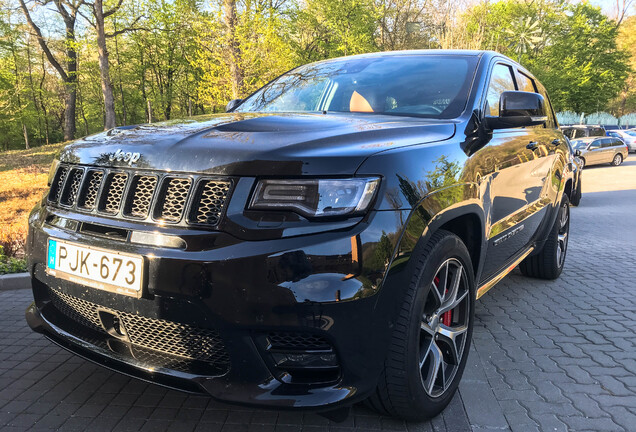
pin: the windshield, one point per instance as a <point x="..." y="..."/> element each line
<point x="419" y="85"/>
<point x="579" y="145"/>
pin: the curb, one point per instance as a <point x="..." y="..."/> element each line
<point x="15" y="281"/>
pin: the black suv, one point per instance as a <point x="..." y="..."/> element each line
<point x="322" y="243"/>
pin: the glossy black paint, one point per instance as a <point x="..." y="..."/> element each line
<point x="339" y="278"/>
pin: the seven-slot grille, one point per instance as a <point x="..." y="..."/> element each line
<point x="141" y="196"/>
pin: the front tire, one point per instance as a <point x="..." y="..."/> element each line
<point x="618" y="159"/>
<point x="432" y="334"/>
<point x="548" y="264"/>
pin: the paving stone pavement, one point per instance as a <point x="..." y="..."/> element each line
<point x="547" y="356"/>
<point x="561" y="355"/>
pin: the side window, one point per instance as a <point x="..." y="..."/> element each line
<point x="526" y="83"/>
<point x="595" y="144"/>
<point x="551" y="123"/>
<point x="500" y="81"/>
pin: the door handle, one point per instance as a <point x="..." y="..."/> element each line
<point x="532" y="145"/>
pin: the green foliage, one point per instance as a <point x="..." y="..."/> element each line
<point x="11" y="265"/>
<point x="334" y="28"/>
<point x="572" y="49"/>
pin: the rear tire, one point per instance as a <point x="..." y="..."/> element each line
<point x="618" y="159"/>
<point x="577" y="194"/>
<point x="430" y="342"/>
<point x="548" y="264"/>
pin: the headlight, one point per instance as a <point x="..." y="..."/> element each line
<point x="318" y="197"/>
<point x="52" y="170"/>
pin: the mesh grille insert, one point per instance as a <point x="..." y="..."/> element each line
<point x="69" y="195"/>
<point x="88" y="198"/>
<point x="297" y="341"/>
<point x="114" y="192"/>
<point x="176" y="193"/>
<point x="161" y="336"/>
<point x="210" y="202"/>
<point x="58" y="183"/>
<point x="142" y="190"/>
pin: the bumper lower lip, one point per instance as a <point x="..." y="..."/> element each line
<point x="269" y="393"/>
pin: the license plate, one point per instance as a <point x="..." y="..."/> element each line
<point x="94" y="267"/>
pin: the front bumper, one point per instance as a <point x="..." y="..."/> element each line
<point x="326" y="294"/>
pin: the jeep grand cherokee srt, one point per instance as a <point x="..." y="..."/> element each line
<point x="322" y="243"/>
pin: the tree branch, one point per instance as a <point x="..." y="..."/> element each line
<point x="114" y="9"/>
<point x="42" y="42"/>
<point x="131" y="28"/>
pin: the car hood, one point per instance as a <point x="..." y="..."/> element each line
<point x="257" y="144"/>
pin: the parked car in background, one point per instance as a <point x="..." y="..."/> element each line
<point x="582" y="131"/>
<point x="628" y="137"/>
<point x="600" y="150"/>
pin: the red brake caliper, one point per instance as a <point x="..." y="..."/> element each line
<point x="446" y="316"/>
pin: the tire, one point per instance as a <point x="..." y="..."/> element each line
<point x="577" y="194"/>
<point x="618" y="159"/>
<point x="548" y="264"/>
<point x="410" y="386"/>
<point x="582" y="161"/>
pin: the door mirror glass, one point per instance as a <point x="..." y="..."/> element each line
<point x="519" y="109"/>
<point x="232" y="104"/>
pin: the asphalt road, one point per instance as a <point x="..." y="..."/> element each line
<point x="555" y="356"/>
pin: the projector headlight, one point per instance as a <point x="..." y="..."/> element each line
<point x="316" y="197"/>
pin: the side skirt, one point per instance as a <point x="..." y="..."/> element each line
<point x="483" y="289"/>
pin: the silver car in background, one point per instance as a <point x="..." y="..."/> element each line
<point x="599" y="150"/>
<point x="628" y="137"/>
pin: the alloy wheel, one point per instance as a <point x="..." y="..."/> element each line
<point x="444" y="327"/>
<point x="617" y="160"/>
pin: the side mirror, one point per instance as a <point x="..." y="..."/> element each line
<point x="519" y="109"/>
<point x="232" y="104"/>
<point x="577" y="153"/>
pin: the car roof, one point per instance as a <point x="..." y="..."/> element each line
<point x="587" y="139"/>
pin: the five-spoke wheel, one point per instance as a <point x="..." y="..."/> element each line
<point x="444" y="327"/>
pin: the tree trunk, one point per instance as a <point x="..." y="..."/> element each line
<point x="234" y="57"/>
<point x="104" y="67"/>
<point x="26" y="136"/>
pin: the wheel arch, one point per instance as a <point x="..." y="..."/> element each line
<point x="464" y="218"/>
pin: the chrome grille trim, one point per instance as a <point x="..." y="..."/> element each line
<point x="140" y="195"/>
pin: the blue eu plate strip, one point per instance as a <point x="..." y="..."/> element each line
<point x="52" y="250"/>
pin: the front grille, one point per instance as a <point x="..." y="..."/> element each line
<point x="297" y="341"/>
<point x="149" y="197"/>
<point x="160" y="336"/>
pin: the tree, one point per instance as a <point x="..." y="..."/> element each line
<point x="68" y="10"/>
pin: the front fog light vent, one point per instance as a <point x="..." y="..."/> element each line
<point x="302" y="358"/>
